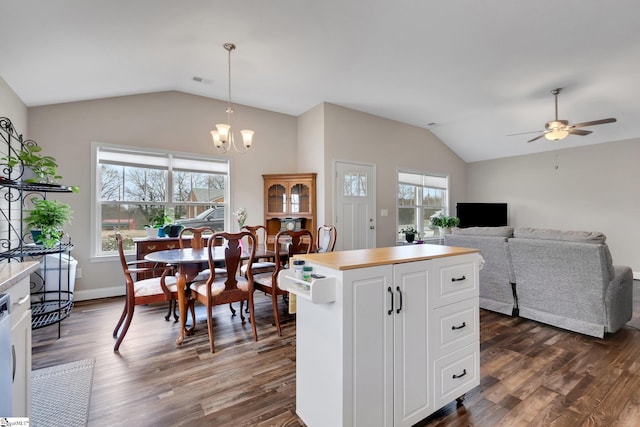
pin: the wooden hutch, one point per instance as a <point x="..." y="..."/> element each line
<point x="289" y="203"/>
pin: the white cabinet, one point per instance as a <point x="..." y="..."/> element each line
<point x="21" y="342"/>
<point x="399" y="342"/>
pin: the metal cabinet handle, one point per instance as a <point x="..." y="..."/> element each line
<point x="13" y="356"/>
<point x="400" y="294"/>
<point x="23" y="299"/>
<point x="464" y="372"/>
<point x="453" y="328"/>
<point x="454" y="279"/>
<point x="391" y="292"/>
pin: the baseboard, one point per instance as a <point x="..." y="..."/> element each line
<point x="89" y="294"/>
<point x="636" y="275"/>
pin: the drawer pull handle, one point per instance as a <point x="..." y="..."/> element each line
<point x="453" y="328"/>
<point x="458" y="279"/>
<point x="464" y="372"/>
<point x="23" y="299"/>
<point x="391" y="292"/>
<point x="152" y="247"/>
<point x="171" y="246"/>
<point x="400" y="294"/>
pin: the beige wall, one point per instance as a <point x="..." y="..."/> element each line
<point x="168" y="120"/>
<point x="311" y="157"/>
<point x="181" y="122"/>
<point x="594" y="187"/>
<point x="12" y="108"/>
<point x="360" y="137"/>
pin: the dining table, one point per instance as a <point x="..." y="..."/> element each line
<point x="188" y="262"/>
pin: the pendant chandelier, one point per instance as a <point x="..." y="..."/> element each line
<point x="223" y="138"/>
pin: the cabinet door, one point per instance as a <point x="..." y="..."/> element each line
<point x="21" y="342"/>
<point x="413" y="398"/>
<point x="276" y="193"/>
<point x="372" y="338"/>
<point x="300" y="201"/>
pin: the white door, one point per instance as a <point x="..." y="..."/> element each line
<point x="355" y="206"/>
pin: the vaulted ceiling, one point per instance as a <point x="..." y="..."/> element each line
<point x="471" y="71"/>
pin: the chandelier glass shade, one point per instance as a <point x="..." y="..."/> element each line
<point x="222" y="136"/>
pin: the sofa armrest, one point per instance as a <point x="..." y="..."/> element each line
<point x="619" y="298"/>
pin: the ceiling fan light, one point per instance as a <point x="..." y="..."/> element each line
<point x="556" y="134"/>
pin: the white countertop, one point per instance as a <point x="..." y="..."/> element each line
<point x="12" y="272"/>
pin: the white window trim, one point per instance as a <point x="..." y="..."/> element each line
<point x="421" y="172"/>
<point x="95" y="179"/>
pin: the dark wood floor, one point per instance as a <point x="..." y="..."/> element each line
<point x="532" y="374"/>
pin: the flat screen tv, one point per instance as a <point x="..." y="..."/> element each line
<point x="482" y="214"/>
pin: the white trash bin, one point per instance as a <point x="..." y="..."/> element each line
<point x="59" y="268"/>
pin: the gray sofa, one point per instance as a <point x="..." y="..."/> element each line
<point x="563" y="278"/>
<point x="567" y="279"/>
<point x="497" y="292"/>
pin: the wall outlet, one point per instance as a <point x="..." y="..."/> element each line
<point x="78" y="273"/>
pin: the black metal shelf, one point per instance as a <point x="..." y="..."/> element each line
<point x="48" y="307"/>
<point x="45" y="313"/>
<point x="32" y="250"/>
<point x="36" y="187"/>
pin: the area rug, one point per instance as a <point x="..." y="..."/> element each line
<point x="60" y="394"/>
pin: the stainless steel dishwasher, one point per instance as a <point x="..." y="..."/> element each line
<point x="7" y="362"/>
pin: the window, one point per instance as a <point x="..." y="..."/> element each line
<point x="420" y="196"/>
<point x="135" y="187"/>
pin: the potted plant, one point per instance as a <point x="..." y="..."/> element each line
<point x="409" y="233"/>
<point x="46" y="220"/>
<point x="444" y="223"/>
<point x="157" y="224"/>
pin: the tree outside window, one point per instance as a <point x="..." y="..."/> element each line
<point x="137" y="188"/>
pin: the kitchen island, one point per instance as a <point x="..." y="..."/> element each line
<point x="387" y="336"/>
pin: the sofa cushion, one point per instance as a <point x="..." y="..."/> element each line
<point x="567" y="236"/>
<point x="485" y="231"/>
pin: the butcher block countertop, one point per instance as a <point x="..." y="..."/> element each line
<point x="12" y="272"/>
<point x="361" y="258"/>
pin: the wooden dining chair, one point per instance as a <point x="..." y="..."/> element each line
<point x="296" y="242"/>
<point x="326" y="238"/>
<point x="227" y="288"/>
<point x="263" y="265"/>
<point x="145" y="291"/>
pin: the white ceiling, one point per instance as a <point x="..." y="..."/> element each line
<point x="478" y="69"/>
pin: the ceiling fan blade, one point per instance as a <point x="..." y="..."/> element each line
<point x="595" y="122"/>
<point x="579" y="132"/>
<point x="524" y="133"/>
<point x="536" y="138"/>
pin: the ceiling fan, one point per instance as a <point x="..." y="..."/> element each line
<point x="560" y="129"/>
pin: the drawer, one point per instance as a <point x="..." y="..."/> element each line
<point x="20" y="295"/>
<point x="456" y="281"/>
<point x="455" y="326"/>
<point x="456" y="374"/>
<point x="157" y="245"/>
